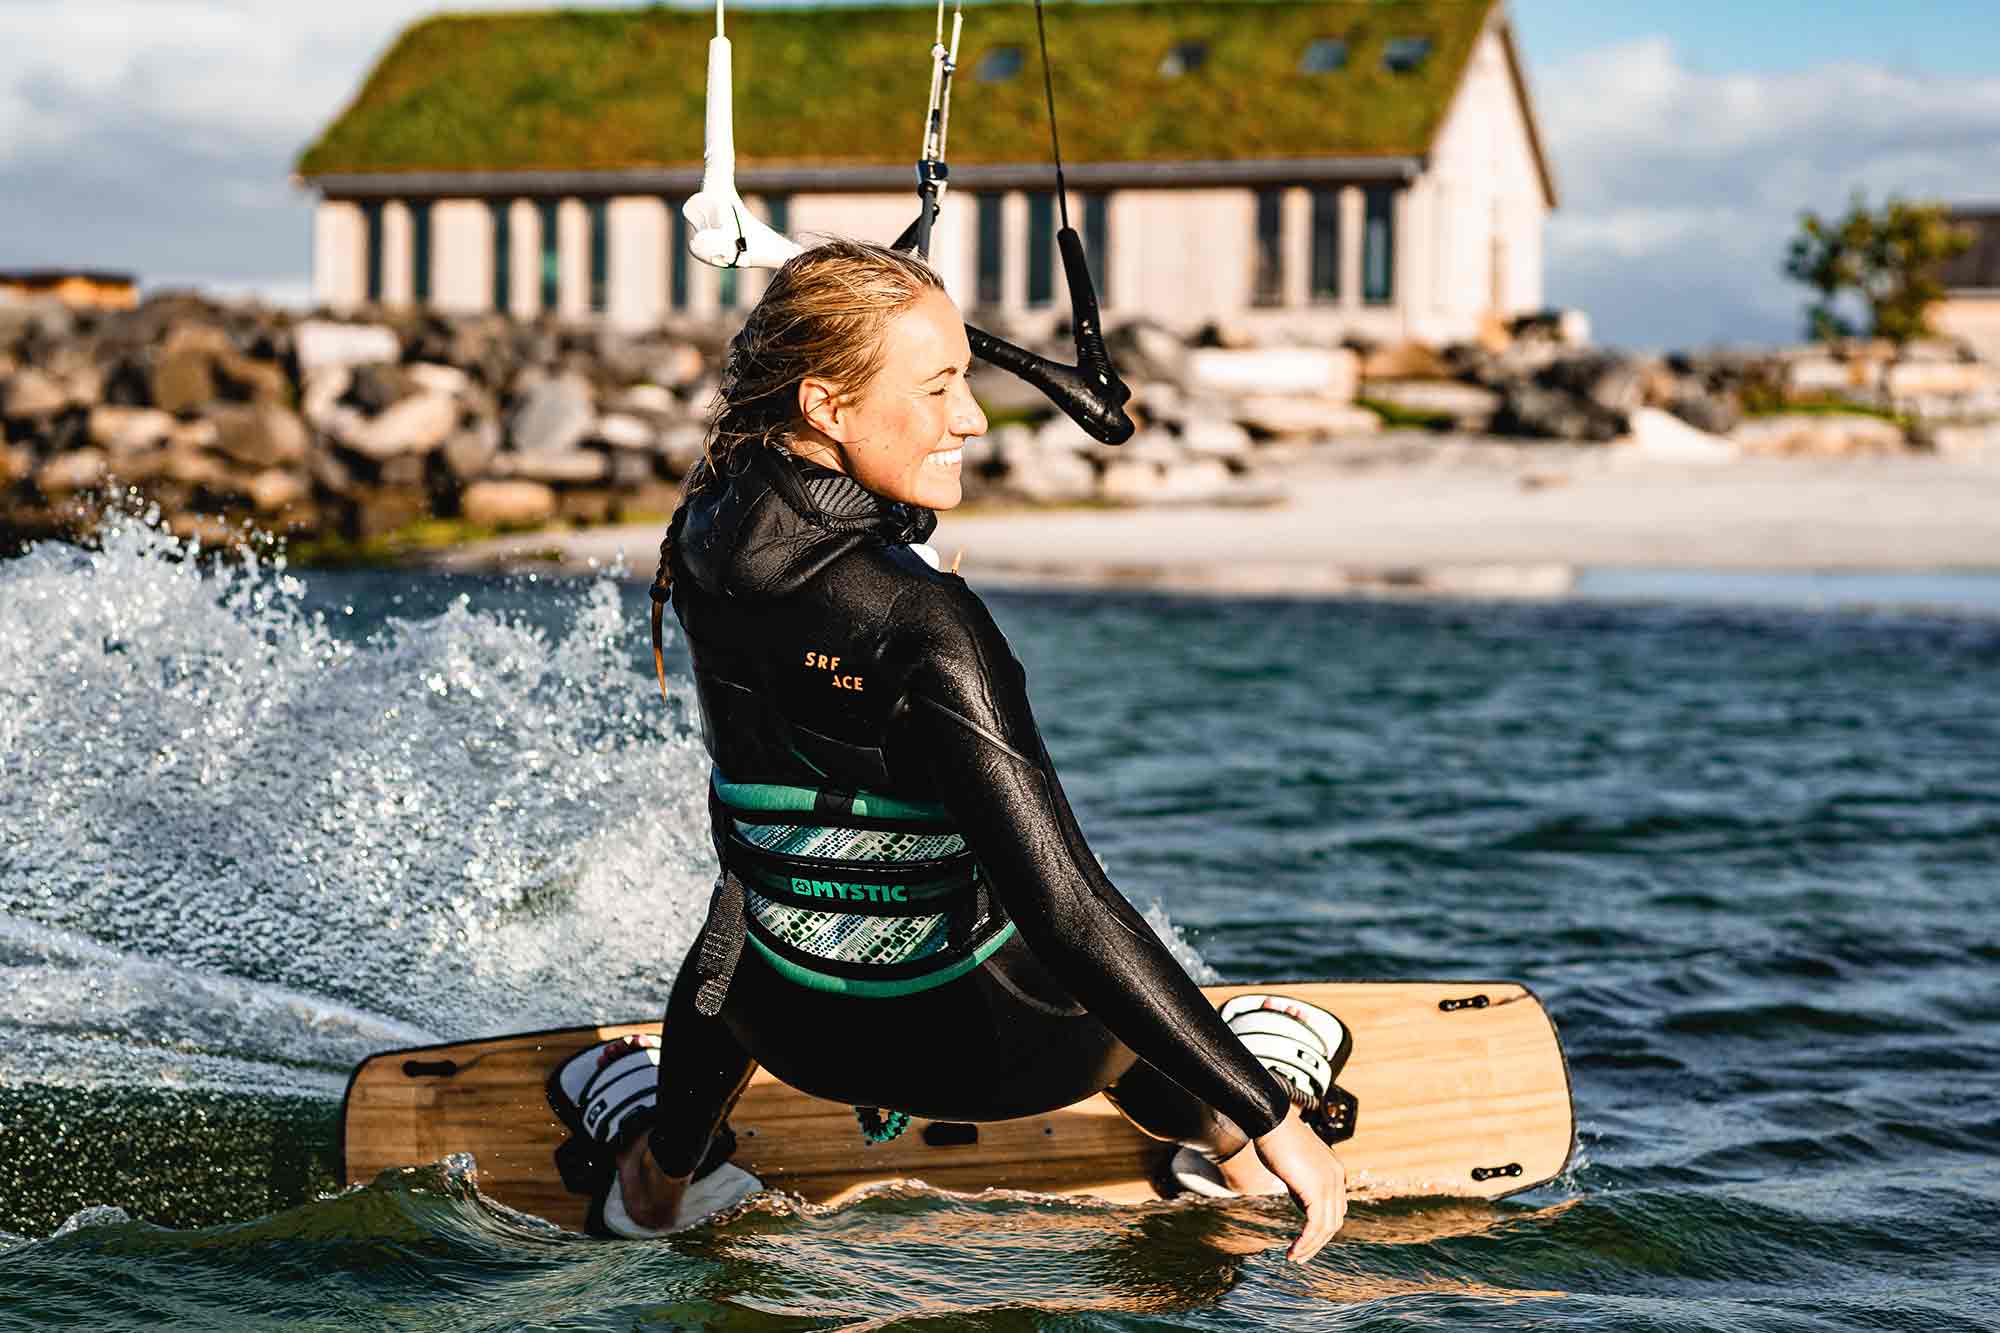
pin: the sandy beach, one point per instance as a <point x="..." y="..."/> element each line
<point x="1466" y="517"/>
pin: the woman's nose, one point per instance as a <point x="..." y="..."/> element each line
<point x="967" y="418"/>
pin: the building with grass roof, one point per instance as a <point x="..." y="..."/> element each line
<point x="1367" y="169"/>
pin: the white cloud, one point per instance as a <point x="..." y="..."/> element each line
<point x="1681" y="189"/>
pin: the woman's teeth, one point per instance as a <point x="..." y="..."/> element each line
<point x="947" y="457"/>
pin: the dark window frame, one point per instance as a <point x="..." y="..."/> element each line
<point x="1404" y="55"/>
<point x="371" y="249"/>
<point x="677" y="256"/>
<point x="600" y="253"/>
<point x="1097" y="243"/>
<point x="990" y="242"/>
<point x="1378" y="245"/>
<point x="1324" y="55"/>
<point x="1323" y="279"/>
<point x="420" y="251"/>
<point x="1041" y="249"/>
<point x="1183" y="58"/>
<point x="503" y="253"/>
<point x="1267" y="279"/>
<point x="548" y="212"/>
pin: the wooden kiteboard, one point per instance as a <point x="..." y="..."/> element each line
<point x="1461" y="1091"/>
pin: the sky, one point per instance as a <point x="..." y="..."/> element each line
<point x="157" y="136"/>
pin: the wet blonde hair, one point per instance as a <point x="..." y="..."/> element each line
<point x="821" y="316"/>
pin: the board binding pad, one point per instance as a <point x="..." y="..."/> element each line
<point x="1460" y="1090"/>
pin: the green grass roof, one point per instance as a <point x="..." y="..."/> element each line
<point x="582" y="90"/>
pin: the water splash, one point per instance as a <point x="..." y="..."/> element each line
<point x="466" y="822"/>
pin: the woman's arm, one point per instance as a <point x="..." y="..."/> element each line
<point x="968" y="722"/>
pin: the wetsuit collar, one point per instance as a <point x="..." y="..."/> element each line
<point x="782" y="520"/>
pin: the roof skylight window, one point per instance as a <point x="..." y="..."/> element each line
<point x="1185" y="58"/>
<point x="1324" y="55"/>
<point x="999" y="64"/>
<point x="1404" y="54"/>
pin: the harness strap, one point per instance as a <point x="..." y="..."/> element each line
<point x="721" y="945"/>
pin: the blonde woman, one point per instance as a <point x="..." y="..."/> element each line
<point x="909" y="916"/>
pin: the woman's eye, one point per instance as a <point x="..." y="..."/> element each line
<point x="939" y="393"/>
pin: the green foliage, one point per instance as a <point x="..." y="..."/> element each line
<point x="1395" y="415"/>
<point x="1888" y="258"/>
<point x="571" y="90"/>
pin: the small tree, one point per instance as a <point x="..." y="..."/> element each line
<point x="1889" y="259"/>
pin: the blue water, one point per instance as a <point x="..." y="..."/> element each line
<point x="255" y="824"/>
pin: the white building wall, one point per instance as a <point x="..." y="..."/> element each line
<point x="525" y="276"/>
<point x="1486" y="161"/>
<point x="396" y="253"/>
<point x="339" y="235"/>
<point x="639" y="236"/>
<point x="461" y="256"/>
<point x="573" y="259"/>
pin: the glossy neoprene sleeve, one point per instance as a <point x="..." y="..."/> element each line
<point x="968" y="722"/>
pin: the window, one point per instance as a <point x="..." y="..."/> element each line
<point x="1041" y="247"/>
<point x="1184" y="58"/>
<point x="727" y="290"/>
<point x="677" y="256"/>
<point x="1404" y="54"/>
<point x="420" y="252"/>
<point x="1096" y="242"/>
<point x="503" y="253"/>
<point x="780" y="207"/>
<point x="1324" y="55"/>
<point x="999" y="64"/>
<point x="1325" y="244"/>
<point x="1378" y="245"/>
<point x="1267" y="285"/>
<point x="371" y="253"/>
<point x="551" y="254"/>
<point x="990" y="240"/>
<point x="600" y="253"/>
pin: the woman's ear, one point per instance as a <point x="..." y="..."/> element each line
<point x="821" y="404"/>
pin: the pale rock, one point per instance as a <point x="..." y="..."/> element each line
<point x="205" y="530"/>
<point x="1827" y="435"/>
<point x="630" y="469"/>
<point x="33" y="394"/>
<point x="17" y="463"/>
<point x="1156" y="399"/>
<point x="198" y="467"/>
<point x="1010" y="442"/>
<point x="1326" y="371"/>
<point x="1159" y="350"/>
<point x="1194" y="481"/>
<point x="259" y="436"/>
<point x="656" y="399"/>
<point x="197" y="434"/>
<point x="554" y="416"/>
<point x="678" y="365"/>
<point x="681" y="447"/>
<point x="1061" y="435"/>
<point x="1968" y="443"/>
<point x="1469" y="405"/>
<point x="471" y="449"/>
<point x="1051" y="477"/>
<point x="1403" y="361"/>
<point x="322" y="393"/>
<point x="508" y="504"/>
<point x="1153" y="446"/>
<point x="274" y="488"/>
<point x="77" y="470"/>
<point x="435" y="378"/>
<point x="621" y="431"/>
<point x="129" y="430"/>
<point x="1288" y="417"/>
<point x="1340" y="423"/>
<point x="586" y="506"/>
<point x="1662" y="437"/>
<point x="84" y="386"/>
<point x="574" y="466"/>
<point x="1812" y="375"/>
<point x="319" y="343"/>
<point x="183" y="376"/>
<point x="1927" y="379"/>
<point x="1214" y="437"/>
<point x="415" y="426"/>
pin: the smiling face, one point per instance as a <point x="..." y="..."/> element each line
<point x="903" y="435"/>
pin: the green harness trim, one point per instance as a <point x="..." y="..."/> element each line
<point x="771" y="798"/>
<point x="880" y="990"/>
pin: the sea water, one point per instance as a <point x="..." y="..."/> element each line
<point x="257" y="823"/>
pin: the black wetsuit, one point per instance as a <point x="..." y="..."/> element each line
<point x="827" y="652"/>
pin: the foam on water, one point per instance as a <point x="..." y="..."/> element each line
<point x="458" y="824"/>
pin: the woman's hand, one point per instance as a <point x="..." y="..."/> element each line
<point x="1312" y="1175"/>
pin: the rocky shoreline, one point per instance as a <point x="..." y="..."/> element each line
<point x="362" y="437"/>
